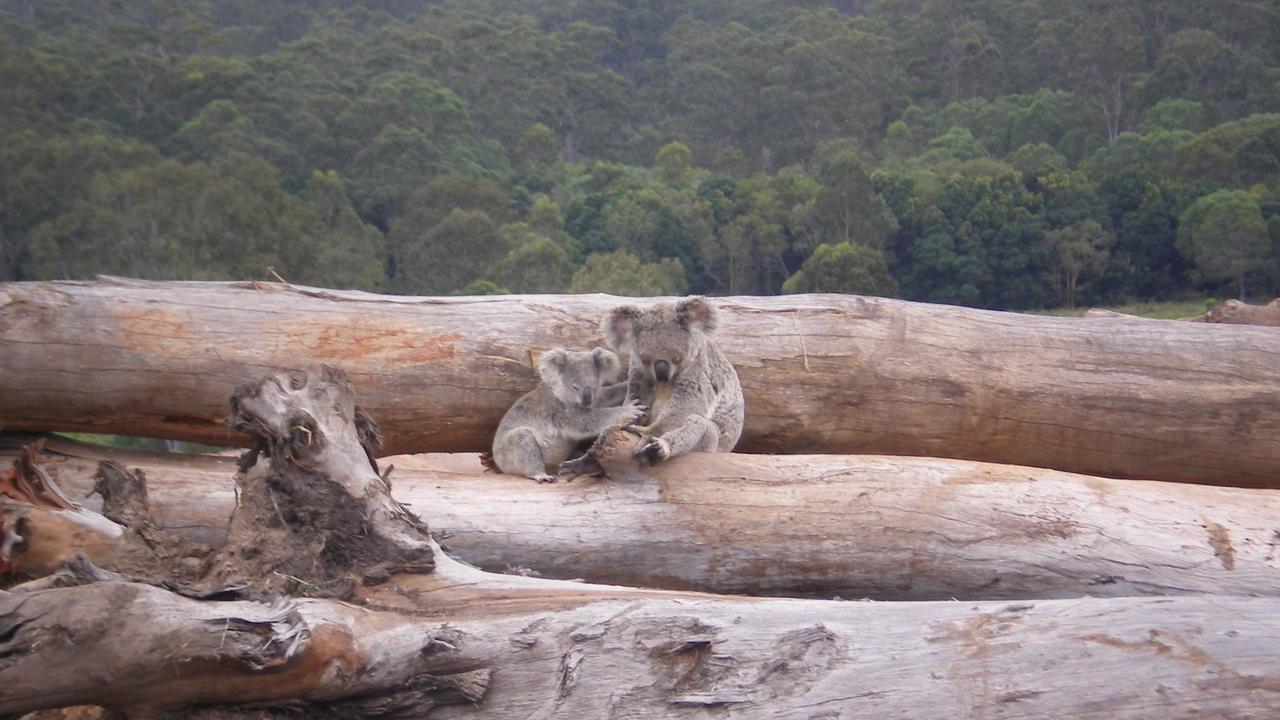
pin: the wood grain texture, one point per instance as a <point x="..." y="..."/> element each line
<point x="883" y="527"/>
<point x="576" y="651"/>
<point x="821" y="373"/>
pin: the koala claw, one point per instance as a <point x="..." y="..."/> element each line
<point x="633" y="411"/>
<point x="652" y="452"/>
<point x="544" y="478"/>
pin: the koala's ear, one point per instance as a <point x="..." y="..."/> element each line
<point x="696" y="312"/>
<point x="619" y="326"/>
<point x="603" y="359"/>
<point x="552" y="361"/>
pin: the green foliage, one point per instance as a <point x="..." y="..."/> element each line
<point x="536" y="265"/>
<point x="448" y="255"/>
<point x="167" y="220"/>
<point x="674" y="163"/>
<point x="1225" y="237"/>
<point x="843" y="268"/>
<point x="1176" y="114"/>
<point x="620" y="273"/>
<point x="481" y="287"/>
<point x="346" y="251"/>
<point x="1078" y="252"/>
<point x="1037" y="160"/>
<point x="847" y="208"/>
<point x="1244" y="149"/>
<point x="537" y="151"/>
<point x="990" y="152"/>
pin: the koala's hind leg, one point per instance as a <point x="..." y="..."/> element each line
<point x="697" y="434"/>
<point x="520" y="453"/>
<point x="587" y="463"/>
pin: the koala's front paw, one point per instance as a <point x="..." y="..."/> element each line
<point x="544" y="478"/>
<point x="631" y="412"/>
<point x="653" y="452"/>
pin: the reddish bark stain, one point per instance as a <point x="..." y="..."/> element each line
<point x="363" y="339"/>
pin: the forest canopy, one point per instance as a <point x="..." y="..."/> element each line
<point x="1005" y="154"/>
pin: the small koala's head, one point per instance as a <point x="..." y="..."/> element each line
<point x="575" y="377"/>
<point x="665" y="338"/>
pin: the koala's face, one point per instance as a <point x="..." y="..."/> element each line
<point x="575" y="377"/>
<point x="665" y="339"/>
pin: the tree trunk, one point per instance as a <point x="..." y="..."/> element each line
<point x="431" y="634"/>
<point x="583" y="652"/>
<point x="827" y="373"/>
<point x="813" y="526"/>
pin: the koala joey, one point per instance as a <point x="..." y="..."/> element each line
<point x="690" y="388"/>
<point x="579" y="397"/>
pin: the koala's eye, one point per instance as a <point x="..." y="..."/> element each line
<point x="675" y="359"/>
<point x="646" y="359"/>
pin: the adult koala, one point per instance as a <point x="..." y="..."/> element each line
<point x="690" y="388"/>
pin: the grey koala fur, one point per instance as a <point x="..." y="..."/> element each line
<point x="690" y="388"/>
<point x="578" y="397"/>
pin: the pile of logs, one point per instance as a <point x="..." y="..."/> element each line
<point x="862" y="555"/>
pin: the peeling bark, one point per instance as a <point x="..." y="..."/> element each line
<point x="1121" y="398"/>
<point x="888" y="528"/>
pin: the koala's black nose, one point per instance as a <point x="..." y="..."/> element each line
<point x="662" y="370"/>
<point x="586" y="397"/>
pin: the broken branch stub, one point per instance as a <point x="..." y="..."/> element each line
<point x="316" y="518"/>
<point x="44" y="531"/>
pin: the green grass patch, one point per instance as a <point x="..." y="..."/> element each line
<point x="1167" y="310"/>
<point x="140" y="443"/>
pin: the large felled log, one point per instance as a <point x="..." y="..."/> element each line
<point x="584" y="654"/>
<point x="1120" y="398"/>
<point x="512" y="647"/>
<point x="816" y="526"/>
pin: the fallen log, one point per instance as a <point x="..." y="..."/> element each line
<point x="887" y="528"/>
<point x="433" y="634"/>
<point x="585" y="654"/>
<point x="1240" y="313"/>
<point x="821" y="373"/>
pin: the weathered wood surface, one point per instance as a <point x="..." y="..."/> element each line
<point x="583" y="653"/>
<point x="1240" y="313"/>
<point x="1117" y="398"/>
<point x="816" y="526"/>
<point x="430" y="633"/>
